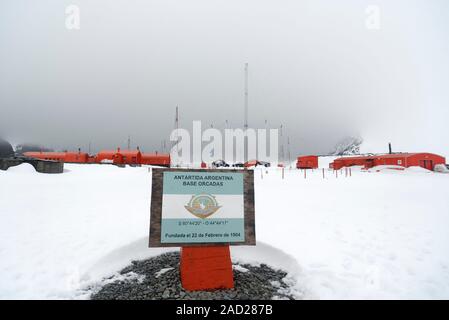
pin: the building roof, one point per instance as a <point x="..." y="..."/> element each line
<point x="129" y="152"/>
<point x="384" y="156"/>
<point x="155" y="155"/>
<point x="122" y="152"/>
<point x="45" y="154"/>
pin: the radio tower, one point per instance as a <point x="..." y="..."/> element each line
<point x="245" y="124"/>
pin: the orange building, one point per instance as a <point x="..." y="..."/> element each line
<point x="132" y="157"/>
<point x="118" y="157"/>
<point x="156" y="159"/>
<point x="68" y="157"/>
<point x="424" y="160"/>
<point x="250" y="163"/>
<point x="307" y="162"/>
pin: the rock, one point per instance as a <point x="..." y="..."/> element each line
<point x="259" y="282"/>
<point x="166" y="294"/>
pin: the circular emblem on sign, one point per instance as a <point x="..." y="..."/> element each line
<point x="202" y="205"/>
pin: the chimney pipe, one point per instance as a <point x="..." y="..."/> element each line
<point x="389" y="148"/>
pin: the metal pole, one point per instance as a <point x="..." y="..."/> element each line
<point x="245" y="124"/>
<point x="177" y="132"/>
<point x="282" y="144"/>
<point x="245" y="120"/>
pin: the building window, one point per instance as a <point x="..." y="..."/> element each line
<point x="399" y="162"/>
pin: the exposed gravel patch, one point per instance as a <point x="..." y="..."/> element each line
<point x="158" y="278"/>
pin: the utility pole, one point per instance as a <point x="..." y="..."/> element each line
<point x="129" y="142"/>
<point x="288" y="152"/>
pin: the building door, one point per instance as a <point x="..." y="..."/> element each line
<point x="426" y="164"/>
<point x="369" y="163"/>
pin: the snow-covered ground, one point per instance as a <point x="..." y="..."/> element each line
<point x="369" y="235"/>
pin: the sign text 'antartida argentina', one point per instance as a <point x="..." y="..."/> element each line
<point x="199" y="180"/>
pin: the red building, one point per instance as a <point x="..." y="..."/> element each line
<point x="250" y="163"/>
<point x="67" y="157"/>
<point x="132" y="157"/>
<point x="424" y="160"/>
<point x="307" y="162"/>
<point x="119" y="157"/>
<point x="156" y="159"/>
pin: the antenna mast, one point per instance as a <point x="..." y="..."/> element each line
<point x="245" y="125"/>
<point x="282" y="145"/>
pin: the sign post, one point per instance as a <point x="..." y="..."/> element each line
<point x="203" y="211"/>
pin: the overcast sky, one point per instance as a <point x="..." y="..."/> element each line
<point x="314" y="67"/>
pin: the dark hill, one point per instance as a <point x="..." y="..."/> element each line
<point x="6" y="149"/>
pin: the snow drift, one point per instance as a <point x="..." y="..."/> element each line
<point x="377" y="234"/>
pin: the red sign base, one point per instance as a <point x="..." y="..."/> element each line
<point x="206" y="268"/>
